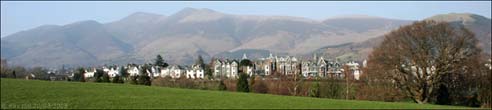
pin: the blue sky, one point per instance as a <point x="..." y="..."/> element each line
<point x="23" y="15"/>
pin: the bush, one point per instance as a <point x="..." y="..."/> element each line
<point x="79" y="75"/>
<point x="443" y="95"/>
<point x="222" y="86"/>
<point x="98" y="74"/>
<point x="331" y="89"/>
<point x="314" y="90"/>
<point x="105" y="78"/>
<point x="143" y="80"/>
<point x="186" y="83"/>
<point x="242" y="83"/>
<point x="379" y="91"/>
<point x="117" y="79"/>
<point x="260" y="87"/>
<point x="133" y="80"/>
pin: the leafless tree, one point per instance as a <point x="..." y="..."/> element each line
<point x="417" y="56"/>
<point x="349" y="77"/>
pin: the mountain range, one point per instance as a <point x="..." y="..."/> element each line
<point x="182" y="36"/>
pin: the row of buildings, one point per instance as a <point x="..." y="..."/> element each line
<point x="173" y="71"/>
<point x="230" y="68"/>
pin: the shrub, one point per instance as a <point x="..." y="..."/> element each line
<point x="117" y="79"/>
<point x="331" y="89"/>
<point x="314" y="90"/>
<point x="105" y="78"/>
<point x="242" y="83"/>
<point x="222" y="86"/>
<point x="260" y="87"/>
<point x="443" y="95"/>
<point x="379" y="91"/>
<point x="133" y="80"/>
<point x="143" y="80"/>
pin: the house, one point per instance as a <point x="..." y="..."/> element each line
<point x="175" y="71"/>
<point x="155" y="71"/>
<point x="165" y="72"/>
<point x="133" y="70"/>
<point x="30" y="76"/>
<point x="217" y="68"/>
<point x="266" y="66"/>
<point x="112" y="71"/>
<point x="249" y="70"/>
<point x="89" y="73"/>
<point x="309" y="69"/>
<point x="234" y="65"/>
<point x="226" y="68"/>
<point x="354" y="69"/>
<point x="196" y="71"/>
<point x="334" y="70"/>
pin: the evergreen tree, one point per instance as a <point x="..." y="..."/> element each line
<point x="79" y="75"/>
<point x="98" y="75"/>
<point x="13" y="74"/>
<point x="105" y="78"/>
<point x="144" y="78"/>
<point x="243" y="64"/>
<point x="205" y="67"/>
<point x="159" y="61"/>
<point x="199" y="61"/>
<point x="208" y="70"/>
<point x="242" y="83"/>
<point x="123" y="72"/>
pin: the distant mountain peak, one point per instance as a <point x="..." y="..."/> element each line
<point x="142" y="16"/>
<point x="458" y="17"/>
<point x="91" y="22"/>
<point x="190" y="11"/>
<point x="84" y="24"/>
<point x="357" y="16"/>
<point x="197" y="15"/>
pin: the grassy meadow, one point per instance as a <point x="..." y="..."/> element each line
<point x="17" y="93"/>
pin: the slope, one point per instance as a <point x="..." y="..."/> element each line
<point x="46" y="94"/>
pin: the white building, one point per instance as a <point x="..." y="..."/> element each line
<point x="155" y="71"/>
<point x="112" y="71"/>
<point x="354" y="67"/>
<point x="133" y="70"/>
<point x="196" y="71"/>
<point x="89" y="73"/>
<point x="173" y="71"/>
<point x="226" y="68"/>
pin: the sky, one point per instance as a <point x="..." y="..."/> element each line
<point x="24" y="15"/>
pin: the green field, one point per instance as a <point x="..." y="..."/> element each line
<point x="58" y="94"/>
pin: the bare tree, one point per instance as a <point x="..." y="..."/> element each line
<point x="417" y="56"/>
<point x="295" y="82"/>
<point x="348" y="74"/>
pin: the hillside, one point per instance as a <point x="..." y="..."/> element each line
<point x="479" y="25"/>
<point x="45" y="94"/>
<point x="182" y="36"/>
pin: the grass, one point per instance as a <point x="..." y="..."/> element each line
<point x="17" y="93"/>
